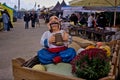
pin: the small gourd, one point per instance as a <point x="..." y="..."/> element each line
<point x="107" y="48"/>
<point x="90" y="46"/>
<point x="39" y="67"/>
<point x="98" y="44"/>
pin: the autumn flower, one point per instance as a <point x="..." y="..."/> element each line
<point x="91" y="64"/>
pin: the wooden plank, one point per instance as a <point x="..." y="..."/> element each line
<point x="111" y="71"/>
<point x="118" y="63"/>
<point x="108" y="78"/>
<point x="114" y="58"/>
<point x="30" y="74"/>
<point x="24" y="73"/>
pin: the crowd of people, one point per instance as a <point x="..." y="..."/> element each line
<point x="96" y="21"/>
<point x="28" y="16"/>
<point x="33" y="17"/>
<point x="90" y="20"/>
<point x="93" y="20"/>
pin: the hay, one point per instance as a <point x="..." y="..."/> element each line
<point x="78" y="42"/>
<point x="75" y="46"/>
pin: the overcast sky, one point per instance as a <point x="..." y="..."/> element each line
<point x="29" y="4"/>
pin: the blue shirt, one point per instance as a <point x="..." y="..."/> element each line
<point x="5" y="18"/>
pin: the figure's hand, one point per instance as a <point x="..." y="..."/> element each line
<point x="52" y="39"/>
<point x="65" y="36"/>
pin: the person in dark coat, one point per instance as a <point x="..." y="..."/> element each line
<point x="33" y="17"/>
<point x="26" y="20"/>
<point x="83" y="20"/>
<point x="102" y="20"/>
<point x="74" y="18"/>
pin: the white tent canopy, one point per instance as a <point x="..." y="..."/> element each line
<point x="95" y="3"/>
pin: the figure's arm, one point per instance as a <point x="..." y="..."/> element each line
<point x="44" y="40"/>
<point x="65" y="36"/>
<point x="52" y="39"/>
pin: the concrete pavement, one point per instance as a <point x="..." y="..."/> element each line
<point x="19" y="42"/>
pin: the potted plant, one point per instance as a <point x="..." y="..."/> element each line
<point x="91" y="64"/>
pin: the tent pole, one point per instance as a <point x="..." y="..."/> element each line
<point x="115" y="13"/>
<point x="18" y="5"/>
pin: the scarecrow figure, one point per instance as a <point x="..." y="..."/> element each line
<point x="55" y="42"/>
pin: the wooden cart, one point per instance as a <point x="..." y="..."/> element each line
<point x="26" y="73"/>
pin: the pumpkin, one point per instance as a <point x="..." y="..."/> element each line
<point x="90" y="46"/>
<point x="98" y="44"/>
<point x="107" y="48"/>
<point x="39" y="67"/>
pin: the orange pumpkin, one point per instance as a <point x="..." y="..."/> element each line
<point x="90" y="46"/>
<point x="98" y="44"/>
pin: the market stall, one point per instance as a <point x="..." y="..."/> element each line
<point x="10" y="11"/>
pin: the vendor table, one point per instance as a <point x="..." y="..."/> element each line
<point x="95" y="34"/>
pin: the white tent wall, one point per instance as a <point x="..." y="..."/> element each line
<point x="69" y="10"/>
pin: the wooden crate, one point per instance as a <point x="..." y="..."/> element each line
<point x="26" y="73"/>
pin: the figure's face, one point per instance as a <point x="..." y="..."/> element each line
<point x="54" y="26"/>
<point x="54" y="23"/>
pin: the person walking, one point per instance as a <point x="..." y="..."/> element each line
<point x="33" y="17"/>
<point x="5" y="18"/>
<point x="9" y="22"/>
<point x="26" y="20"/>
<point x="38" y="15"/>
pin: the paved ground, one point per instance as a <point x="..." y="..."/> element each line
<point x="19" y="42"/>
